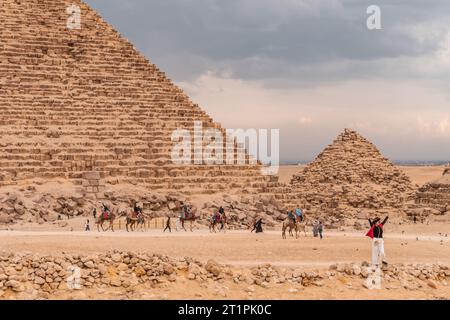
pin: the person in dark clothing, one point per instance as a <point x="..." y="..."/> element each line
<point x="94" y="213"/>
<point x="320" y="229"/>
<point x="376" y="234"/>
<point x="415" y="219"/>
<point x="291" y="216"/>
<point x="221" y="210"/>
<point x="258" y="226"/>
<point x="137" y="209"/>
<point x="168" y="225"/>
<point x="377" y="227"/>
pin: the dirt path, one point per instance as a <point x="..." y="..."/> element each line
<point x="235" y="247"/>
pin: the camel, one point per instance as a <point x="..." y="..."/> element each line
<point x="191" y="218"/>
<point x="133" y="221"/>
<point x="289" y="223"/>
<point x="298" y="226"/>
<point x="213" y="222"/>
<point x="102" y="218"/>
<point x="131" y="218"/>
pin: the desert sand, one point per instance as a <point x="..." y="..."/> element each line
<point x="406" y="243"/>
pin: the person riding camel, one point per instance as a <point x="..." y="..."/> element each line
<point x="291" y="216"/>
<point x="137" y="210"/>
<point x="299" y="214"/>
<point x="184" y="212"/>
<point x="217" y="216"/>
<point x="105" y="211"/>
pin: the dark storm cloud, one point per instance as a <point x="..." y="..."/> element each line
<point x="264" y="39"/>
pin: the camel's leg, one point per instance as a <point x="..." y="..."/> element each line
<point x="112" y="225"/>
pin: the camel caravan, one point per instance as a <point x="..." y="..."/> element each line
<point x="135" y="219"/>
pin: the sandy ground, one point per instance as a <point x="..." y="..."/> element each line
<point x="238" y="247"/>
<point x="420" y="244"/>
<point x="405" y="243"/>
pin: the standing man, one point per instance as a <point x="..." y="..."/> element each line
<point x="315" y="228"/>
<point x="376" y="234"/>
<point x="320" y="229"/>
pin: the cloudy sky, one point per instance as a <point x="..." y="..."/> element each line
<point x="307" y="67"/>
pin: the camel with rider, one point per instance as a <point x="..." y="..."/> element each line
<point x="216" y="219"/>
<point x="186" y="215"/>
<point x="297" y="224"/>
<point x="107" y="215"/>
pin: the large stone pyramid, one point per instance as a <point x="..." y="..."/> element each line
<point x="86" y="106"/>
<point x="351" y="176"/>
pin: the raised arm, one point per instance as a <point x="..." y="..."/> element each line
<point x="384" y="221"/>
<point x="370" y="222"/>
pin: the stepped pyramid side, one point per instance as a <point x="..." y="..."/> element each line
<point x="350" y="176"/>
<point x="77" y="101"/>
<point x="434" y="195"/>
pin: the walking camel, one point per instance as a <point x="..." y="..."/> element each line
<point x="298" y="226"/>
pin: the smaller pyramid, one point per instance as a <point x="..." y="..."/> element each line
<point x="350" y="175"/>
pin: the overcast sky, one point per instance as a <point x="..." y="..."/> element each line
<point x="307" y="67"/>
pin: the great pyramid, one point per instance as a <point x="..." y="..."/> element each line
<point x="350" y="177"/>
<point x="85" y="106"/>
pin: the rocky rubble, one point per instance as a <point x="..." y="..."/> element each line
<point x="32" y="276"/>
<point x="31" y="204"/>
<point x="432" y="199"/>
<point x="25" y="205"/>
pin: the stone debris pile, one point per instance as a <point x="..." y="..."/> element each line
<point x="32" y="276"/>
<point x="432" y="199"/>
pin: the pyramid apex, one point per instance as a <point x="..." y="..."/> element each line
<point x="349" y="134"/>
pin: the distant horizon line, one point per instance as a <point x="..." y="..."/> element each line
<point x="400" y="162"/>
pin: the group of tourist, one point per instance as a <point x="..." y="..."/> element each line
<point x="106" y="212"/>
<point x="375" y="232"/>
<point x="317" y="229"/>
